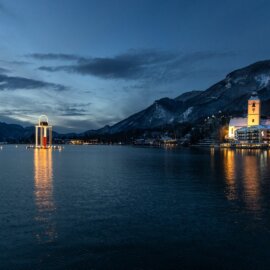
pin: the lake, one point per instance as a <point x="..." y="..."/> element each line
<point x="122" y="207"/>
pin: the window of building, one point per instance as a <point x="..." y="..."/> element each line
<point x="252" y="120"/>
<point x="253" y="104"/>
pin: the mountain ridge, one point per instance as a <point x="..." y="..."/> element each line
<point x="228" y="96"/>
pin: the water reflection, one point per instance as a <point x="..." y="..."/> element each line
<point x="43" y="177"/>
<point x="230" y="173"/>
<point x="243" y="171"/>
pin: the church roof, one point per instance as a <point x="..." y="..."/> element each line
<point x="242" y="122"/>
<point x="253" y="128"/>
<point x="254" y="98"/>
<point x="238" y="122"/>
<point x="265" y="122"/>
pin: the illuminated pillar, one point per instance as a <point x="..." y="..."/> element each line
<point x="41" y="136"/>
<point x="44" y="140"/>
<point x="50" y="136"/>
<point x="36" y="136"/>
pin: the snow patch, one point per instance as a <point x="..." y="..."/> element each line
<point x="160" y="113"/>
<point x="186" y="113"/>
<point x="240" y="80"/>
<point x="263" y="80"/>
<point x="228" y="85"/>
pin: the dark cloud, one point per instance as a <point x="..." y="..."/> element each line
<point x="71" y="125"/>
<point x="10" y="120"/>
<point x="74" y="109"/>
<point x="14" y="83"/>
<point x="22" y="63"/>
<point x="4" y="70"/>
<point x="54" y="69"/>
<point x="73" y="112"/>
<point x="18" y="63"/>
<point x="138" y="64"/>
<point x="17" y="112"/>
<point x="56" y="56"/>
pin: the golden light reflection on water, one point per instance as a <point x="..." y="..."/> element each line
<point x="43" y="192"/>
<point x="230" y="173"/>
<point x="243" y="171"/>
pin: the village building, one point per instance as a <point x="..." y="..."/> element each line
<point x="251" y="129"/>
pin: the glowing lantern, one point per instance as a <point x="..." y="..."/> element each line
<point x="43" y="131"/>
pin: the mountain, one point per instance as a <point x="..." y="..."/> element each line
<point x="228" y="96"/>
<point x="187" y="95"/>
<point x="12" y="132"/>
<point x="16" y="133"/>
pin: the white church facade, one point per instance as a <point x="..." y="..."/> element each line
<point x="250" y="129"/>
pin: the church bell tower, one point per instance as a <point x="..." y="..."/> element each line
<point x="254" y="110"/>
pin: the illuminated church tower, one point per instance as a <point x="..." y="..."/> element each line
<point x="254" y="110"/>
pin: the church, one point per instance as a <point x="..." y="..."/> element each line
<point x="250" y="129"/>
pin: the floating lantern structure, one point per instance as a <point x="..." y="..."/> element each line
<point x="43" y="133"/>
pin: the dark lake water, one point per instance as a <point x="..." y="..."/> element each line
<point x="121" y="207"/>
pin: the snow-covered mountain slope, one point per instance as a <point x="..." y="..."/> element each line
<point x="188" y="95"/>
<point x="229" y="96"/>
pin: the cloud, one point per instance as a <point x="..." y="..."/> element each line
<point x="15" y="62"/>
<point x="135" y="64"/>
<point x="11" y="120"/>
<point x="4" y="70"/>
<point x="130" y="65"/>
<point x="81" y="125"/>
<point x="74" y="109"/>
<point x="14" y="83"/>
<point x="72" y="125"/>
<point x="73" y="112"/>
<point x="56" y="56"/>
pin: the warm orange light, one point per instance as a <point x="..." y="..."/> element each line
<point x="43" y="177"/>
<point x="254" y="112"/>
<point x="230" y="173"/>
<point x="251" y="165"/>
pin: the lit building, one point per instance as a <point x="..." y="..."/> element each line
<point x="43" y="133"/>
<point x="254" y="110"/>
<point x="250" y="129"/>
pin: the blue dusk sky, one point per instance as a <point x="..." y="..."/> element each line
<point x="90" y="63"/>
